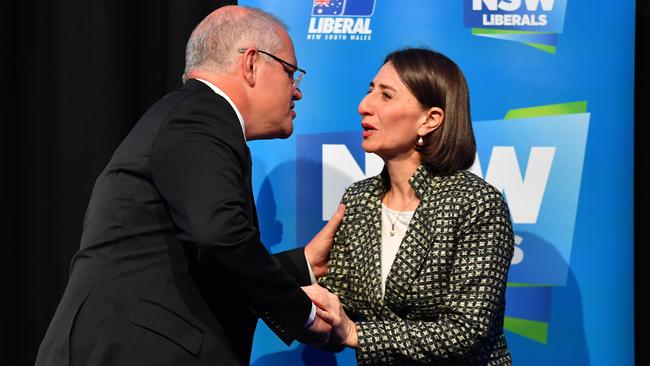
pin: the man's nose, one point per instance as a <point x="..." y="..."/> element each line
<point x="297" y="94"/>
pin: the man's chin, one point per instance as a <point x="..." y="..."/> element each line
<point x="280" y="134"/>
<point x="286" y="133"/>
<point x="288" y="130"/>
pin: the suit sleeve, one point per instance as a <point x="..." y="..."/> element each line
<point x="199" y="173"/>
<point x="294" y="262"/>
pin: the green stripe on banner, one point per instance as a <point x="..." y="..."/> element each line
<point x="520" y="284"/>
<point x="543" y="47"/>
<point x="537" y="331"/>
<point x="548" y="110"/>
<point x="503" y="31"/>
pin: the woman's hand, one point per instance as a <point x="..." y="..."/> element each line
<point x="329" y="308"/>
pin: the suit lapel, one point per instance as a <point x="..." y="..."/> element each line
<point x="248" y="181"/>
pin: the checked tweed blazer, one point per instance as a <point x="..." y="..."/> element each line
<point x="445" y="293"/>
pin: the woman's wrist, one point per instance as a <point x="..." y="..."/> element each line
<point x="351" y="340"/>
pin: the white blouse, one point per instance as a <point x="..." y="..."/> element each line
<point x="390" y="243"/>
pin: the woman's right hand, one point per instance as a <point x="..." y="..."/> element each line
<point x="329" y="308"/>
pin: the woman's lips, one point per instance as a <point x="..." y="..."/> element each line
<point x="368" y="129"/>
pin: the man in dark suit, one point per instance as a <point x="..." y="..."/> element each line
<point x="171" y="270"/>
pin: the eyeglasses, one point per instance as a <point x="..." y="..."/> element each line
<point x="295" y="73"/>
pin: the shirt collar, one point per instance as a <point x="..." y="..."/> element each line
<point x="227" y="98"/>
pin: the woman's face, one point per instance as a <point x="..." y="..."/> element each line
<point x="391" y="116"/>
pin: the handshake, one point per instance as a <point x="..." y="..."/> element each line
<point x="331" y="329"/>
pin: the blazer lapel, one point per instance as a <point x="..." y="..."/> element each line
<point x="369" y="250"/>
<point x="416" y="243"/>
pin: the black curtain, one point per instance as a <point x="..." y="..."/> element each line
<point x="641" y="154"/>
<point x="76" y="76"/>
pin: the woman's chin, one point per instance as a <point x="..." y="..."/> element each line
<point x="367" y="146"/>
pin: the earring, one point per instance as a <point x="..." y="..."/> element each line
<point x="420" y="141"/>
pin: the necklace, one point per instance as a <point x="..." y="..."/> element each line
<point x="393" y="222"/>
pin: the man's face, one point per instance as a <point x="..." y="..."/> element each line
<point x="276" y="96"/>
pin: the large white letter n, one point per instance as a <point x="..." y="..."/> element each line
<point x="339" y="171"/>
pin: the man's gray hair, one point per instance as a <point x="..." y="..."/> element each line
<point x="215" y="42"/>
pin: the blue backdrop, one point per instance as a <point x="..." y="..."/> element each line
<point x="551" y="84"/>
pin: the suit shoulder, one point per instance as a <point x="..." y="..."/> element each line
<point x="205" y="105"/>
<point x="200" y="110"/>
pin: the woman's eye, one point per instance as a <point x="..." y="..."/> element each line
<point x="386" y="95"/>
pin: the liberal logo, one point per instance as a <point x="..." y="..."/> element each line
<point x="341" y="20"/>
<point x="533" y="22"/>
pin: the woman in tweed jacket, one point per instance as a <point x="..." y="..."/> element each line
<point x="421" y="259"/>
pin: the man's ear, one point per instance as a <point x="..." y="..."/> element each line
<point x="435" y="116"/>
<point x="248" y="66"/>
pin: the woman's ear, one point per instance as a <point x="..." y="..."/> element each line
<point x="435" y="116"/>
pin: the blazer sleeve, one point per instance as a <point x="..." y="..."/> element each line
<point x="198" y="170"/>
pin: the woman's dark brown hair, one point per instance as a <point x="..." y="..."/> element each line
<point x="436" y="81"/>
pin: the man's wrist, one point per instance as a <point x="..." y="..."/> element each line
<point x="312" y="316"/>
<point x="311" y="271"/>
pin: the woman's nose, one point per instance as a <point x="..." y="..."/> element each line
<point x="364" y="105"/>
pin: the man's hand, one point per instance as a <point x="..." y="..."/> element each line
<point x="329" y="308"/>
<point x="317" y="251"/>
<point x="317" y="334"/>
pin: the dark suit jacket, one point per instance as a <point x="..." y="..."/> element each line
<point x="171" y="270"/>
<point x="445" y="293"/>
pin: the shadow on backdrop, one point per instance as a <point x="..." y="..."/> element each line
<point x="272" y="234"/>
<point x="566" y="334"/>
